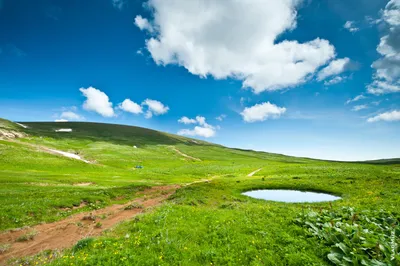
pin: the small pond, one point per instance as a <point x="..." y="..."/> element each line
<point x="291" y="196"/>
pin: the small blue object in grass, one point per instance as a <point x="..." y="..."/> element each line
<point x="138" y="167"/>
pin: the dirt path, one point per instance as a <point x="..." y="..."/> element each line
<point x="65" y="233"/>
<point x="200" y="181"/>
<point x="252" y="173"/>
<point x="185" y="155"/>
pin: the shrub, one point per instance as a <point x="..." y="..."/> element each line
<point x="26" y="237"/>
<point x="134" y="205"/>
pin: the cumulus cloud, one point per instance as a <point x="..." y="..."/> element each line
<point x="129" y="106"/>
<point x="387" y="116"/>
<point x="69" y="115"/>
<point x="186" y="120"/>
<point x="198" y="131"/>
<point x="118" y="4"/>
<point x="379" y="87"/>
<point x="359" y="107"/>
<point x="261" y="112"/>
<point x="97" y="101"/>
<point x="349" y="25"/>
<point x="334" y="81"/>
<point x="203" y="129"/>
<point x="387" y="67"/>
<point x="335" y="67"/>
<point x="355" y="99"/>
<point x="143" y="24"/>
<point x="234" y="39"/>
<point x="154" y="108"/>
<point x="221" y="117"/>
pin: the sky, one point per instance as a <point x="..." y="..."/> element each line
<point x="308" y="78"/>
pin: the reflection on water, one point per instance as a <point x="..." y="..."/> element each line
<point x="292" y="196"/>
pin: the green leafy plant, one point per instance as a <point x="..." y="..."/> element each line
<point x="355" y="238"/>
<point x="98" y="225"/>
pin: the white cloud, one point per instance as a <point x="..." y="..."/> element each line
<point x="154" y="108"/>
<point x="118" y="4"/>
<point x="335" y="67"/>
<point x="387" y="116"/>
<point x="61" y="120"/>
<point x="143" y="24"/>
<point x="261" y="112"/>
<point x="359" y="107"/>
<point x="203" y="129"/>
<point x="355" y="99"/>
<point x="129" y="106"/>
<point x="334" y="81"/>
<point x="97" y="101"/>
<point x="379" y="87"/>
<point x="69" y="115"/>
<point x="235" y="39"/>
<point x="185" y="120"/>
<point x="221" y="117"/>
<point x="387" y="68"/>
<point x="349" y="25"/>
<point x="148" y="114"/>
<point x="198" y="131"/>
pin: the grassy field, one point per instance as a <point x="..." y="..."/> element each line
<point x="208" y="223"/>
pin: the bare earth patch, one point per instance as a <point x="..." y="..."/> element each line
<point x="65" y="233"/>
<point x="83" y="184"/>
<point x="9" y="134"/>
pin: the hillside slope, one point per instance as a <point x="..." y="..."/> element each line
<point x="91" y="169"/>
<point x="36" y="178"/>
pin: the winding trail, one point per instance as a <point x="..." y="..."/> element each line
<point x="252" y="173"/>
<point x="65" y="233"/>
<point x="185" y="155"/>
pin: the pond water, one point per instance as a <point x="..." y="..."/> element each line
<point x="291" y="196"/>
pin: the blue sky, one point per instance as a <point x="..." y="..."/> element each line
<point x="307" y="78"/>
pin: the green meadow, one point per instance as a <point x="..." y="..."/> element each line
<point x="203" y="223"/>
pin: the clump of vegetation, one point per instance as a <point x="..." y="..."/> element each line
<point x="98" y="225"/>
<point x="82" y="244"/>
<point x="356" y="238"/>
<point x="4" y="248"/>
<point x="134" y="205"/>
<point x="26" y="237"/>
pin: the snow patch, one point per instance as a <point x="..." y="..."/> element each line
<point x="68" y="154"/>
<point x="64" y="130"/>
<point x="21" y="125"/>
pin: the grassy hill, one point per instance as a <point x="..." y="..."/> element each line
<point x="208" y="223"/>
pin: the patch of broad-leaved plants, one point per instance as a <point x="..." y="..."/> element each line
<point x="355" y="237"/>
